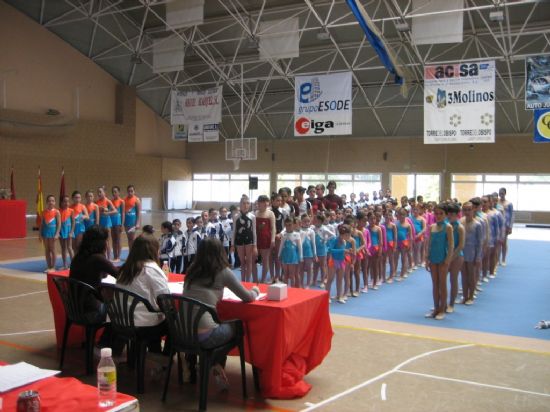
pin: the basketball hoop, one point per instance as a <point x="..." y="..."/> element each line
<point x="236" y="163"/>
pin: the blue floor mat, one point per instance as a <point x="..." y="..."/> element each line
<point x="511" y="304"/>
<point x="39" y="264"/>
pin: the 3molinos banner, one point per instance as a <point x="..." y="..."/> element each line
<point x="537" y="86"/>
<point x="322" y="105"/>
<point x="459" y="103"/>
<point x="203" y="106"/>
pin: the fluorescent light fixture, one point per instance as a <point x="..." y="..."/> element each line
<point x="496" y="16"/>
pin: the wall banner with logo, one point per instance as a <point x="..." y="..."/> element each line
<point x="542" y="126"/>
<point x="195" y="133"/>
<point x="203" y="106"/>
<point x="459" y="103"/>
<point x="179" y="132"/>
<point x="537" y="82"/>
<point x="322" y="105"/>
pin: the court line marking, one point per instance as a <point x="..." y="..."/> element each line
<point x="22" y="295"/>
<point x="27" y="333"/>
<point x="383" y="391"/>
<point x="413" y="335"/>
<point x="382" y="375"/>
<point x="484" y="385"/>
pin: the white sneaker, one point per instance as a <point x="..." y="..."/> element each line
<point x="485" y="279"/>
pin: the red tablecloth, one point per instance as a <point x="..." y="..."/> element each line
<point x="285" y="340"/>
<point x="65" y="394"/>
<point x="12" y="219"/>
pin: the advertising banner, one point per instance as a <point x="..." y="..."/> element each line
<point x="211" y="132"/>
<point x="322" y="105"/>
<point x="459" y="103"/>
<point x="537" y="78"/>
<point x="195" y="133"/>
<point x="203" y="106"/>
<point x="542" y="126"/>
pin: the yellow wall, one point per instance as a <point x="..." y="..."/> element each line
<point x="42" y="71"/>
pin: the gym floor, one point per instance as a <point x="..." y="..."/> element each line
<point x="374" y="364"/>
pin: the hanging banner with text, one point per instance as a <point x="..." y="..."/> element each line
<point x="203" y="106"/>
<point x="459" y="103"/>
<point x="537" y="82"/>
<point x="542" y="126"/>
<point x="322" y="105"/>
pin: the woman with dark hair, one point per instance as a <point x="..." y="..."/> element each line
<point x="205" y="280"/>
<point x="142" y="274"/>
<point x="90" y="265"/>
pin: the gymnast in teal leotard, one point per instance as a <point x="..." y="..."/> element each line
<point x="458" y="257"/>
<point x="440" y="251"/>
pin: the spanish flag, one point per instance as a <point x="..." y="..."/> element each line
<point x="39" y="201"/>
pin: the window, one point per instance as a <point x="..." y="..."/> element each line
<point x="412" y="185"/>
<point x="225" y="187"/>
<point x="346" y="183"/>
<point x="526" y="192"/>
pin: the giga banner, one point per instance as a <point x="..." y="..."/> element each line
<point x="459" y="103"/>
<point x="322" y="105"/>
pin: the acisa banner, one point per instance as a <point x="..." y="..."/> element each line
<point x="322" y="105"/>
<point x="459" y="103"/>
<point x="203" y="106"/>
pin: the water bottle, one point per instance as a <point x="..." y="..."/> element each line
<point x="106" y="379"/>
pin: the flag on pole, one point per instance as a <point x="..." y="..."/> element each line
<point x="385" y="53"/>
<point x="39" y="201"/>
<point x="12" y="184"/>
<point x="62" y="187"/>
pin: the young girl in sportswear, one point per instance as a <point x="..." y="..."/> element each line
<point x="375" y="250"/>
<point x="50" y="224"/>
<point x="290" y="252"/>
<point x="440" y="253"/>
<point x="391" y="236"/>
<point x="132" y="214"/>
<point x="362" y="227"/>
<point x="473" y="243"/>
<point x="92" y="209"/>
<point x="360" y="254"/>
<point x="323" y="233"/>
<point x="80" y="214"/>
<point x="420" y="228"/>
<point x="244" y="238"/>
<point x="336" y="249"/>
<point x="117" y="220"/>
<point x="66" y="231"/>
<point x="309" y="251"/>
<point x="404" y="236"/>
<point x="457" y="259"/>
<point x="265" y="234"/>
<point x="106" y="210"/>
<point x="279" y="225"/>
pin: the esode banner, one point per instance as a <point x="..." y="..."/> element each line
<point x="459" y="103"/>
<point x="204" y="106"/>
<point x="322" y="105"/>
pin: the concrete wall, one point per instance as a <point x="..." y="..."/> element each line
<point x="117" y="139"/>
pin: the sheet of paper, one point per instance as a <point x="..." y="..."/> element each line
<point x="110" y="280"/>
<point x="176" y="288"/>
<point x="20" y="374"/>
<point x="229" y="295"/>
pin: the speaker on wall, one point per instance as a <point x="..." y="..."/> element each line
<point x="252" y="183"/>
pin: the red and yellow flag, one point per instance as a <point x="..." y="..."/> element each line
<point x="39" y="200"/>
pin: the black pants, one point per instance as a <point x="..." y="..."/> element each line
<point x="187" y="260"/>
<point x="176" y="264"/>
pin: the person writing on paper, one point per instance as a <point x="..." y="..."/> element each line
<point x="90" y="265"/>
<point x="205" y="280"/>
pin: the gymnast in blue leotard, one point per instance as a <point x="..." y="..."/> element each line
<point x="458" y="257"/>
<point x="473" y="242"/>
<point x="440" y="252"/>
